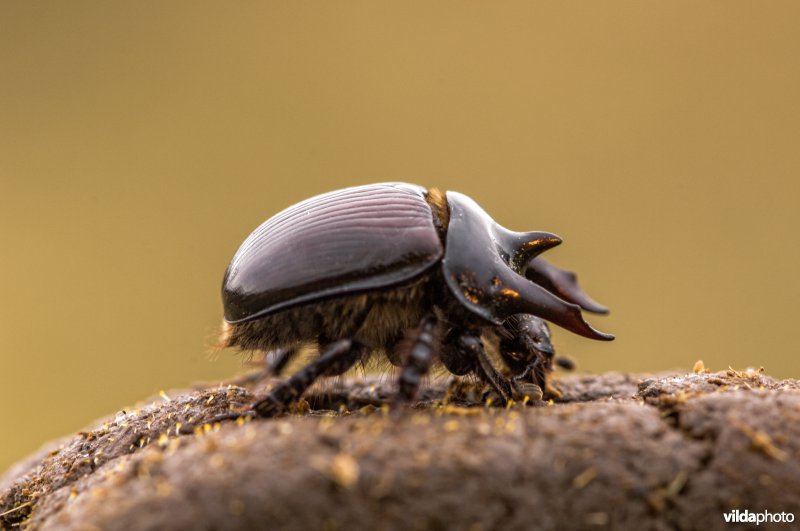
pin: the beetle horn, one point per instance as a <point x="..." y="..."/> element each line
<point x="523" y="247"/>
<point x="562" y="283"/>
<point x="523" y="296"/>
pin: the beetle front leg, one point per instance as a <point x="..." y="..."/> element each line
<point x="463" y="353"/>
<point x="530" y="384"/>
<point x="337" y="358"/>
<point x="487" y="372"/>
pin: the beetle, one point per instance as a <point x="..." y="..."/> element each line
<point x="413" y="273"/>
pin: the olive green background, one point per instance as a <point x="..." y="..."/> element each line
<point x="140" y="142"/>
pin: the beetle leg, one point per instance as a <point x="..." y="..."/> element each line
<point x="274" y="363"/>
<point x="280" y="359"/>
<point x="344" y="364"/>
<point x="531" y="383"/>
<point x="419" y="359"/>
<point x="463" y="352"/>
<point x="339" y="354"/>
<point x="489" y="374"/>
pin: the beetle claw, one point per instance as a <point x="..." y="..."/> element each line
<point x="527" y="390"/>
<point x="268" y="407"/>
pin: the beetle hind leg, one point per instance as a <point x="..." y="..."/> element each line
<point x="335" y="359"/>
<point x="276" y="361"/>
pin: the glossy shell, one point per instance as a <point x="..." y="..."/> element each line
<point x="339" y="243"/>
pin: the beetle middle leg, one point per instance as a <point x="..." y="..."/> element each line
<point x="419" y="359"/>
<point x="335" y="359"/>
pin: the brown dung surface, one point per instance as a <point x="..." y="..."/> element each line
<point x="615" y="451"/>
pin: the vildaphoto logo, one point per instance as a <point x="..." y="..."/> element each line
<point x="748" y="517"/>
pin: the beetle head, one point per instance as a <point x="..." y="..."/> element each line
<point x="484" y="264"/>
<point x="533" y="333"/>
<point x="526" y="346"/>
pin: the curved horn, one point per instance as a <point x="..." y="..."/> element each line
<point x="523" y="247"/>
<point x="562" y="283"/>
<point x="523" y="296"/>
<point x="480" y="270"/>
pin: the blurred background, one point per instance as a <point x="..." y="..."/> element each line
<point x="141" y="143"/>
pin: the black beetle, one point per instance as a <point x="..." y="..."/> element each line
<point x="416" y="274"/>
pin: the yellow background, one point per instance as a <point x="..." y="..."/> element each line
<point x="141" y="142"/>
